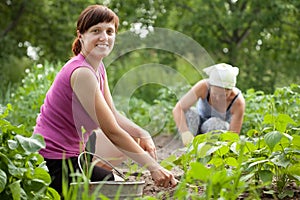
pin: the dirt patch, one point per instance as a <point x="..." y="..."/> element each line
<point x="166" y="145"/>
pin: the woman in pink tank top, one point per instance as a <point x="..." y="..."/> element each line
<point x="79" y="102"/>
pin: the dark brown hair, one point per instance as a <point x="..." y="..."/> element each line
<point x="91" y="16"/>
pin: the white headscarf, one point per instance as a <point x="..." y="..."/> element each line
<point x="222" y="75"/>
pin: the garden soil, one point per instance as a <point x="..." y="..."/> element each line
<point x="166" y="145"/>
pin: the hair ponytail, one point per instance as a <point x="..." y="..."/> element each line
<point x="76" y="46"/>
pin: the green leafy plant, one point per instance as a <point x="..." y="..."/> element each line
<point x="228" y="166"/>
<point x="215" y="162"/>
<point x="285" y="100"/>
<point x="28" y="98"/>
<point x="274" y="153"/>
<point x="23" y="174"/>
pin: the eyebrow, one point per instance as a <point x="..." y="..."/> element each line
<point x="107" y="25"/>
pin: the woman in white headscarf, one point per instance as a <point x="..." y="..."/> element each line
<point x="220" y="105"/>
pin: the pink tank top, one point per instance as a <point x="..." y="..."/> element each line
<point x="62" y="117"/>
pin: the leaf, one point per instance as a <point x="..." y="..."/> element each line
<point x="250" y="147"/>
<point x="285" y="193"/>
<point x="6" y="111"/>
<point x="220" y="177"/>
<point x="294" y="169"/>
<point x="280" y="160"/>
<point x="272" y="138"/>
<point x="33" y="185"/>
<point x="282" y="121"/>
<point x="269" y="119"/>
<point x="212" y="149"/>
<point x="17" y="191"/>
<point x="32" y="144"/>
<point x="258" y="162"/>
<point x="231" y="161"/>
<point x="203" y="148"/>
<point x="12" y="144"/>
<point x="42" y="174"/>
<point x="52" y="194"/>
<point x="4" y="158"/>
<point x="3" y="180"/>
<point x="265" y="175"/>
<point x="16" y="171"/>
<point x="247" y="177"/>
<point x="234" y="148"/>
<point x="168" y="163"/>
<point x="289" y="137"/>
<point x="229" y="136"/>
<point x="292" y="151"/>
<point x="296" y="140"/>
<point x="296" y="177"/>
<point x="199" y="172"/>
<point x="217" y="162"/>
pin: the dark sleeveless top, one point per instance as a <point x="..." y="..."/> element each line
<point x="206" y="111"/>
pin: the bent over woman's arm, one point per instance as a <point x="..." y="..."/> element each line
<point x="237" y="111"/>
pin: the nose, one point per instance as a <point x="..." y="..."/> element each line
<point x="103" y="36"/>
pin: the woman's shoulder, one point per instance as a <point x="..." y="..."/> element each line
<point x="77" y="63"/>
<point x="237" y="91"/>
<point x="201" y="88"/>
<point x="239" y="97"/>
<point x="202" y="84"/>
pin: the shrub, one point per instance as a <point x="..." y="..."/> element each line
<point x="23" y="174"/>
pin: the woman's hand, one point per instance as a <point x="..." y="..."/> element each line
<point x="148" y="145"/>
<point x="187" y="137"/>
<point x="163" y="178"/>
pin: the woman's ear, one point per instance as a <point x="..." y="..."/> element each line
<point x="79" y="35"/>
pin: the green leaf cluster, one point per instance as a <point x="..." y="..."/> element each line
<point x="279" y="108"/>
<point x="229" y="166"/>
<point x="23" y="174"/>
<point x="28" y="97"/>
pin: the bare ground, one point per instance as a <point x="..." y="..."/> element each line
<point x="166" y="145"/>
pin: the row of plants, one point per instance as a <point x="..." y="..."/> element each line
<point x="226" y="165"/>
<point x="259" y="164"/>
<point x="263" y="160"/>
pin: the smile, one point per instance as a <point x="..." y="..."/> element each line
<point x="102" y="45"/>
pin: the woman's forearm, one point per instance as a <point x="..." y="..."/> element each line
<point x="133" y="129"/>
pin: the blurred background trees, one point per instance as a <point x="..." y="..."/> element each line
<point x="260" y="37"/>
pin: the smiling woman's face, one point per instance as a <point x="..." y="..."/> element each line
<point x="98" y="40"/>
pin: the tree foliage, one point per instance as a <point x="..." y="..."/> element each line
<point x="260" y="37"/>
